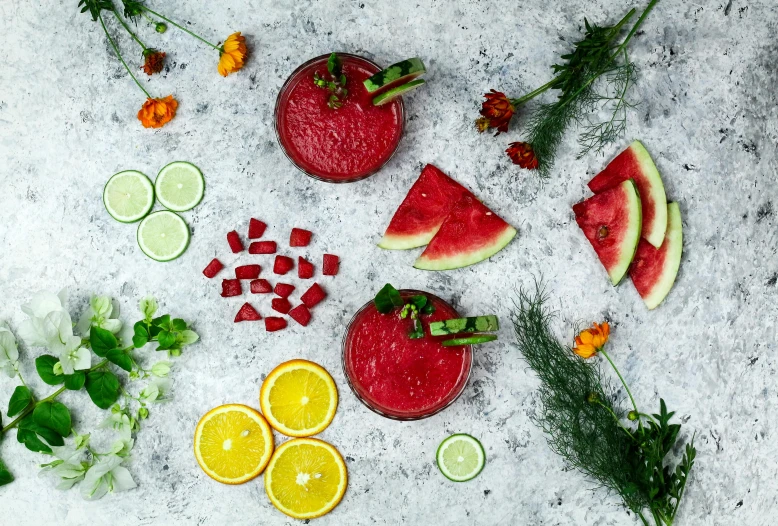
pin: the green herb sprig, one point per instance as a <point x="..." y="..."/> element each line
<point x="335" y="83"/>
<point x="389" y="299"/>
<point x="44" y="424"/>
<point x="585" y="422"/>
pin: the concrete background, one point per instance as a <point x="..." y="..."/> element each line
<point x="707" y="114"/>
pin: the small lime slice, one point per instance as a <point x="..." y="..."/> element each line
<point x="461" y="457"/>
<point x="128" y="196"/>
<point x="180" y="186"/>
<point x="393" y="93"/>
<point x="163" y="236"/>
<point x="470" y="340"/>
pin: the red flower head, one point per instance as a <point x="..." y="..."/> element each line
<point x="153" y="61"/>
<point x="497" y="112"/>
<point x="521" y="153"/>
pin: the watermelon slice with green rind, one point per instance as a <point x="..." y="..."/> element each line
<point x="654" y="270"/>
<point x="470" y="233"/>
<point x="635" y="163"/>
<point x="388" y="96"/>
<point x="423" y="210"/>
<point x="612" y="222"/>
<point x="395" y="75"/>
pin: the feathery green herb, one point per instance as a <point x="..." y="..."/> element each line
<point x="583" y="417"/>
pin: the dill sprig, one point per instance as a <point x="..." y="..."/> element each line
<point x="583" y="417"/>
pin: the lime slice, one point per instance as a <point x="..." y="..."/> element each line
<point x="163" y="236"/>
<point x="470" y="340"/>
<point x="128" y="196"/>
<point x="460" y="457"/>
<point x="180" y="186"/>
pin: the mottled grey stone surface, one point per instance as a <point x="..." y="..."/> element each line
<point x="707" y="114"/>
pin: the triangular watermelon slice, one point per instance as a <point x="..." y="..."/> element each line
<point x="423" y="210"/>
<point x="635" y="163"/>
<point x="611" y="221"/>
<point x="469" y="234"/>
<point x="654" y="270"/>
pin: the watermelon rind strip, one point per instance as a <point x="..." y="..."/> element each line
<point x="467" y="258"/>
<point x="657" y="234"/>
<point x="672" y="262"/>
<point x="390" y="242"/>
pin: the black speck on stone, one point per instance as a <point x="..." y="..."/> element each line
<point x="740" y="503"/>
<point x="487" y="492"/>
<point x="772" y="280"/>
<point x="183" y="66"/>
<point x="165" y="467"/>
<point x="764" y="211"/>
<point x="349" y="459"/>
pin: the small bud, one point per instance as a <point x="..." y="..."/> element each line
<point x="143" y="413"/>
<point x="633" y="415"/>
<point x="57" y="369"/>
<point x="592" y="398"/>
<point x="160" y="369"/>
<point x="161" y="27"/>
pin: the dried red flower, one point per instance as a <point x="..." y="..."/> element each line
<point x="497" y="111"/>
<point x="153" y="61"/>
<point x="521" y="153"/>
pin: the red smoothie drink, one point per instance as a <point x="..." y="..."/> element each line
<point x="399" y="377"/>
<point x="342" y="144"/>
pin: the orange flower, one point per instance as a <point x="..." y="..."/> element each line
<point x="497" y="112"/>
<point x="521" y="153"/>
<point x="233" y="54"/>
<point x="590" y="341"/>
<point x="155" y="113"/>
<point x="153" y="61"/>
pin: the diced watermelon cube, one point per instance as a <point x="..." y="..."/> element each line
<point x="256" y="228"/>
<point x="281" y="305"/>
<point x="313" y="296"/>
<point x="299" y="238"/>
<point x="304" y="268"/>
<point x="231" y="287"/>
<point x="236" y="245"/>
<point x="301" y="315"/>
<point x="284" y="289"/>
<point x="247" y="313"/>
<point x="283" y="264"/>
<point x="331" y="265"/>
<point x="261" y="286"/>
<point x="213" y="268"/>
<point x="273" y="324"/>
<point x="247" y="271"/>
<point x="262" y="247"/>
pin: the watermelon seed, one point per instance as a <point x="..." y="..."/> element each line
<point x="602" y="233"/>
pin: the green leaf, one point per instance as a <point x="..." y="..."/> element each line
<point x="30" y="433"/>
<point x="102" y="341"/>
<point x="179" y="324"/>
<point x="334" y="65"/>
<point x="5" y="475"/>
<point x="103" y="388"/>
<point x="120" y="358"/>
<point x="31" y="441"/>
<point x="418" y="330"/>
<point x="75" y="381"/>
<point x="420" y="300"/>
<point x="20" y="400"/>
<point x="53" y="415"/>
<point x="141" y="336"/>
<point x="166" y="340"/>
<point x="162" y="322"/>
<point x="387" y="299"/>
<point x="45" y="366"/>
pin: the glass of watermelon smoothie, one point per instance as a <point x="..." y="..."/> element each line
<point x="398" y="377"/>
<point x="340" y="145"/>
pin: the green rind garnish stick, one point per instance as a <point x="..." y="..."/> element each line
<point x="470" y="340"/>
<point x="396" y="74"/>
<point x="387" y="299"/>
<point x="487" y="323"/>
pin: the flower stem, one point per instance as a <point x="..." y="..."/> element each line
<point x="616" y="418"/>
<point x="634" y="28"/>
<point x="116" y="49"/>
<point x="621" y="378"/>
<point x="49" y="398"/>
<point x="532" y="94"/>
<point x="185" y="30"/>
<point x="125" y="26"/>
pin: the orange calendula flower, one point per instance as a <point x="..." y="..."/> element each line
<point x="233" y="54"/>
<point x="590" y="341"/>
<point x="521" y="153"/>
<point x="153" y="61"/>
<point x="155" y="113"/>
<point x="496" y="112"/>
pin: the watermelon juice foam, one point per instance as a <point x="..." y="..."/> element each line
<point x="399" y="377"/>
<point x="336" y="145"/>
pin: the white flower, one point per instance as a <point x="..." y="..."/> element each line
<point x="120" y="423"/>
<point x="156" y="390"/>
<point x="9" y="352"/>
<point x="98" y="315"/>
<point x="148" y="306"/>
<point x="160" y="369"/>
<point x="74" y="357"/>
<point x="68" y="468"/>
<point x="54" y="330"/>
<point x="106" y="475"/>
<point x="188" y="337"/>
<point x="45" y="302"/>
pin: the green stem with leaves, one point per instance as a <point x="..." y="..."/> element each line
<point x="118" y="54"/>
<point x="127" y="28"/>
<point x="49" y="398"/>
<point x="185" y="30"/>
